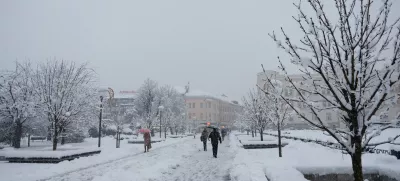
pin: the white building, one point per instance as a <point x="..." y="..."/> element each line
<point x="295" y="122"/>
<point x="330" y="116"/>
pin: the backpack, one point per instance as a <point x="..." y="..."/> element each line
<point x="201" y="138"/>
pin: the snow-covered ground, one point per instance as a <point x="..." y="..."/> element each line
<point x="182" y="159"/>
<point x="319" y="135"/>
<point x="301" y="158"/>
<point x="30" y="171"/>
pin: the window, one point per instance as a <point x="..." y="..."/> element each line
<point x="329" y="116"/>
<point x="194" y="105"/>
<point x="209" y="105"/>
<point x="314" y="117"/>
<point x="201" y="105"/>
<point x="326" y="104"/>
<point x="194" y="115"/>
<point x="190" y="115"/>
<point x="201" y="115"/>
<point x="190" y="105"/>
<point x="209" y="115"/>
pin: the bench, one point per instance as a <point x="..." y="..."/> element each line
<point x="38" y="138"/>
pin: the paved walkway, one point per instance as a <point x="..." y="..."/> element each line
<point x="184" y="161"/>
<point x="202" y="166"/>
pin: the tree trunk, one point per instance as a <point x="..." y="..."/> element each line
<point x="117" y="138"/>
<point x="252" y="133"/>
<point x="17" y="135"/>
<point x="165" y="132"/>
<point x="171" y="130"/>
<point x="255" y="132"/>
<point x="357" y="162"/>
<point x="152" y="132"/>
<point x="279" y="140"/>
<point x="63" y="136"/>
<point x="261" y="135"/>
<point x="29" y="140"/>
<point x="55" y="139"/>
<point x="49" y="133"/>
<point x="248" y="132"/>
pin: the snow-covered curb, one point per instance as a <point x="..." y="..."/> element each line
<point x="46" y="154"/>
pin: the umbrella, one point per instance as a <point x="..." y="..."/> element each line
<point x="144" y="130"/>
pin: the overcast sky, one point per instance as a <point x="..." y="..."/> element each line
<point x="217" y="45"/>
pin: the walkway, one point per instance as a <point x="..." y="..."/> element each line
<point x="184" y="161"/>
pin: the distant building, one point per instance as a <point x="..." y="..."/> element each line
<point x="295" y="122"/>
<point x="330" y="116"/>
<point x="122" y="104"/>
<point x="203" y="107"/>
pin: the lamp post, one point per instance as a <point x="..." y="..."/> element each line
<point x="160" y="108"/>
<point x="100" y="117"/>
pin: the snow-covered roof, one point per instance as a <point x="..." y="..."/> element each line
<point x="205" y="95"/>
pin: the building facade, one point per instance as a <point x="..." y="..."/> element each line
<point x="332" y="117"/>
<point x="217" y="110"/>
<point x="295" y="122"/>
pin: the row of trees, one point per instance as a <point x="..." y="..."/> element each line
<point x="350" y="59"/>
<point x="160" y="106"/>
<point x="58" y="95"/>
<point x="264" y="109"/>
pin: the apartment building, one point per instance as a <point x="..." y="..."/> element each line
<point x="295" y="122"/>
<point x="330" y="116"/>
<point x="204" y="107"/>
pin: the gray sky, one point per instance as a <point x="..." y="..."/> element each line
<point x="217" y="45"/>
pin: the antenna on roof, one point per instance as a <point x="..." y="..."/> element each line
<point x="187" y="88"/>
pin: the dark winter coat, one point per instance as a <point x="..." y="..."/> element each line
<point x="215" y="137"/>
<point x="204" y="136"/>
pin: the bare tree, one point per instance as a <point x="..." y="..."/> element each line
<point x="66" y="93"/>
<point x="146" y="107"/>
<point x="17" y="99"/>
<point x="278" y="110"/>
<point x="341" y="58"/>
<point x="256" y="111"/>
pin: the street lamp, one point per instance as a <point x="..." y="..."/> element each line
<point x="100" y="117"/>
<point x="160" y="108"/>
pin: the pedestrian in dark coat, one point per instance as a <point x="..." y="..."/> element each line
<point x="203" y="138"/>
<point x="215" y="137"/>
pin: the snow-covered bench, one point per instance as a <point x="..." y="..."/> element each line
<point x="262" y="144"/>
<point x="40" y="156"/>
<point x="38" y="138"/>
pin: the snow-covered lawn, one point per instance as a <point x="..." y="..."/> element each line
<point x="319" y="135"/>
<point x="31" y="171"/>
<point x="301" y="158"/>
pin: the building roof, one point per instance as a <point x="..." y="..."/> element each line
<point x="205" y="95"/>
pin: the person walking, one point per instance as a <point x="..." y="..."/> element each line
<point x="203" y="138"/>
<point x="215" y="137"/>
<point x="147" y="141"/>
<point x="223" y="132"/>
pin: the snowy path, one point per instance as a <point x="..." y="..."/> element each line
<point x="183" y="161"/>
<point x="93" y="171"/>
<point x="201" y="166"/>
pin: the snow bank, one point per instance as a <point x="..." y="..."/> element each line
<point x="15" y="153"/>
<point x="263" y="142"/>
<point x="304" y="158"/>
<point x="283" y="173"/>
